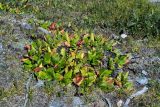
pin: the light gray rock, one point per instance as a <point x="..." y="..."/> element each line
<point x="144" y="72"/>
<point x="142" y="80"/>
<point x="26" y="26"/>
<point x="77" y="102"/>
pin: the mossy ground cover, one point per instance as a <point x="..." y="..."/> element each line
<point x="135" y="16"/>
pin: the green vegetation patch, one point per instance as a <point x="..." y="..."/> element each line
<point x="79" y="59"/>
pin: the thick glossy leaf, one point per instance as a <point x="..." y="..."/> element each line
<point x="35" y="58"/>
<point x="58" y="77"/>
<point x="77" y="68"/>
<point x="49" y="49"/>
<point x="122" y="60"/>
<point x="111" y="64"/>
<point x="55" y="59"/>
<point x="92" y="37"/>
<point x="67" y="38"/>
<point x="80" y="55"/>
<point x="68" y="75"/>
<point x="90" y="80"/>
<point x="105" y="73"/>
<point x="27" y="61"/>
<point x="84" y="70"/>
<point x="47" y="58"/>
<point x="63" y="52"/>
<point x="44" y="76"/>
<point x="119" y="77"/>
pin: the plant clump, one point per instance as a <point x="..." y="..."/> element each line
<point x="82" y="60"/>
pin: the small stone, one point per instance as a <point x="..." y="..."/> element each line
<point x="144" y="72"/>
<point x="123" y="36"/>
<point x="44" y="30"/>
<point x="119" y="103"/>
<point x="26" y="26"/>
<point x="39" y="84"/>
<point x="1" y="47"/>
<point x="142" y="80"/>
<point x="77" y="102"/>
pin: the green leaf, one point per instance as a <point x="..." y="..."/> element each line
<point x="58" y="76"/>
<point x="68" y="75"/>
<point x="122" y="60"/>
<point x="119" y="77"/>
<point x="55" y="59"/>
<point x="63" y="52"/>
<point x="128" y="85"/>
<point x="67" y="38"/>
<point x="44" y="76"/>
<point x="35" y="57"/>
<point x="77" y="68"/>
<point x="50" y="71"/>
<point x="47" y="58"/>
<point x="80" y="55"/>
<point x="90" y="80"/>
<point x="84" y="70"/>
<point x="105" y="73"/>
<point x="92" y="37"/>
<point x="27" y="62"/>
<point x="111" y="64"/>
<point x="49" y="49"/>
<point x="125" y="76"/>
<point x="104" y="86"/>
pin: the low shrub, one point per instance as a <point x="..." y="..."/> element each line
<point x="82" y="59"/>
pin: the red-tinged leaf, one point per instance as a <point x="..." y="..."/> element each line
<point x="37" y="69"/>
<point x="77" y="80"/>
<point x="27" y="47"/>
<point x="80" y="42"/>
<point x="52" y="26"/>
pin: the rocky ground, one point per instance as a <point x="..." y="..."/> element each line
<point x="19" y="88"/>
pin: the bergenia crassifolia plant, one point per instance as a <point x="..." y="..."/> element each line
<point x="82" y="60"/>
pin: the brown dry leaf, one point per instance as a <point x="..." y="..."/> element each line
<point x="71" y="36"/>
<point x="62" y="31"/>
<point x="67" y="44"/>
<point x="37" y="69"/>
<point x="78" y="79"/>
<point x="27" y="47"/>
<point x="97" y="73"/>
<point x="110" y="81"/>
<point x="118" y="83"/>
<point x="127" y="62"/>
<point x="56" y="65"/>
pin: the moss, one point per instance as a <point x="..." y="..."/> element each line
<point x="136" y="16"/>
